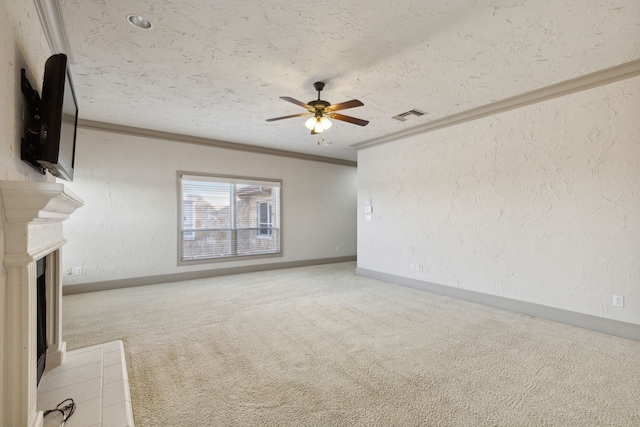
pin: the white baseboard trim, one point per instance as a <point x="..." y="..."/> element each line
<point x="191" y="275"/>
<point x="586" y="321"/>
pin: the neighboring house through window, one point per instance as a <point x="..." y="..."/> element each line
<point x="225" y="217"/>
<point x="264" y="219"/>
<point x="188" y="222"/>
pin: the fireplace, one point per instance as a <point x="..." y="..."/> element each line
<point x="33" y="214"/>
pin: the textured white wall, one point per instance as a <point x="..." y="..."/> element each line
<point x="128" y="225"/>
<point x="22" y="45"/>
<point x="540" y="204"/>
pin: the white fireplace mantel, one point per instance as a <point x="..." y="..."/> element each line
<point x="33" y="215"/>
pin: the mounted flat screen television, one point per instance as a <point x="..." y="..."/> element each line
<point x="50" y="133"/>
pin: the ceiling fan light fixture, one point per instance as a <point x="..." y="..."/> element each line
<point x="318" y="127"/>
<point x="139" y="22"/>
<point x="325" y="123"/>
<point x="318" y="124"/>
<point x="311" y="123"/>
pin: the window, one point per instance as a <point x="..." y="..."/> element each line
<point x="224" y="217"/>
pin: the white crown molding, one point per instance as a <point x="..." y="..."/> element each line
<point x="53" y="27"/>
<point x="588" y="81"/>
<point x="149" y="133"/>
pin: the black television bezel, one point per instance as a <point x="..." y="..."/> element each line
<point x="56" y="84"/>
<point x="42" y="147"/>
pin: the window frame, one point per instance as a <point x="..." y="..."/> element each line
<point x="238" y="180"/>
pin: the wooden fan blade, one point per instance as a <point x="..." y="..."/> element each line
<point x="288" y="117"/>
<point x="344" y="105"/>
<point x="295" y="101"/>
<point x="349" y="119"/>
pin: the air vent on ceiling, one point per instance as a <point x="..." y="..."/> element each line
<point x="403" y="116"/>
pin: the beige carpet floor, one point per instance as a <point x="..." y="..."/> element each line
<point x="320" y="346"/>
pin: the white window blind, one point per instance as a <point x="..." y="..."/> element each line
<point x="228" y="217"/>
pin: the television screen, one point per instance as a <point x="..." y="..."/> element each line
<point x="59" y="118"/>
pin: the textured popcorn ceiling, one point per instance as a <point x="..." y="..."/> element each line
<point x="215" y="69"/>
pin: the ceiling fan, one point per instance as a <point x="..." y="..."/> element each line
<point x="320" y="110"/>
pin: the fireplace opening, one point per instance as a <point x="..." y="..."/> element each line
<point x="41" y="347"/>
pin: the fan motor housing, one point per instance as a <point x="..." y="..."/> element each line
<point x="318" y="104"/>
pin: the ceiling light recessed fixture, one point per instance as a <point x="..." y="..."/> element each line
<point x="139" y="21"/>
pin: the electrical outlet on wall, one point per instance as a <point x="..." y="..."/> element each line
<point x="414" y="266"/>
<point x="618" y="301"/>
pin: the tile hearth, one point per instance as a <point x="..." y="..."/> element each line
<point x="96" y="379"/>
